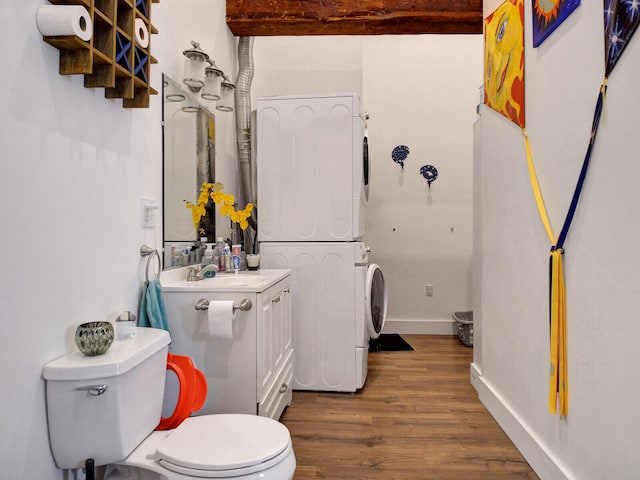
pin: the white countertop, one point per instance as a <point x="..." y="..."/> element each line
<point x="244" y="281"/>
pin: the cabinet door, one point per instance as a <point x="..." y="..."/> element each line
<point x="275" y="339"/>
<point x="287" y="323"/>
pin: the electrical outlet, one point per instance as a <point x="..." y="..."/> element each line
<point x="428" y="290"/>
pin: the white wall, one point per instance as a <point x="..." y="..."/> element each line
<point x="74" y="169"/>
<point x="598" y="439"/>
<point x="306" y="65"/>
<point x="420" y="91"/>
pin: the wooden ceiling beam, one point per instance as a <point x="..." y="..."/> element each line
<point x="353" y="17"/>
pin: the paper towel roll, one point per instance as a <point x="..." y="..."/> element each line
<point x="219" y="319"/>
<point x="142" y="33"/>
<point x="63" y="20"/>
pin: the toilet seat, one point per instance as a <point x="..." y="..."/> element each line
<point x="192" y="393"/>
<point x="224" y="445"/>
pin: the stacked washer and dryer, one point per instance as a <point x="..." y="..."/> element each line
<point x="313" y="180"/>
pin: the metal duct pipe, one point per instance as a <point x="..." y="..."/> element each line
<point x="243" y="127"/>
<point x="205" y="170"/>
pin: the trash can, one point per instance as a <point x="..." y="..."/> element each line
<point x="464" y="324"/>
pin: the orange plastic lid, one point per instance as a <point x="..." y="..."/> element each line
<point x="193" y="390"/>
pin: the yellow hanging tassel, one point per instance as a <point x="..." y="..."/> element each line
<point x="553" y="334"/>
<point x="562" y="320"/>
<point x="558" y="380"/>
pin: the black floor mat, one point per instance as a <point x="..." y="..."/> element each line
<point x="388" y="342"/>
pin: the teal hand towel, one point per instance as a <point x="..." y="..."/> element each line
<point x="152" y="310"/>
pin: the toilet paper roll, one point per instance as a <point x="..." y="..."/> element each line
<point x="219" y="319"/>
<point x="142" y="33"/>
<point x="64" y="20"/>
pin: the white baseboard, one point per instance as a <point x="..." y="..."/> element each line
<point x="541" y="460"/>
<point x="420" y="327"/>
<point x="475" y="374"/>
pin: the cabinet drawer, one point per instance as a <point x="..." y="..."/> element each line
<point x="279" y="395"/>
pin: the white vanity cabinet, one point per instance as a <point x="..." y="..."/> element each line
<point x="253" y="371"/>
<point x="275" y="350"/>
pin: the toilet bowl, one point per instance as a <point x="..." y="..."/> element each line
<point x="107" y="409"/>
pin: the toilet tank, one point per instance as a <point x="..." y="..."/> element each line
<point x="102" y="407"/>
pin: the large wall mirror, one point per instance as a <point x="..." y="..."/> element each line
<point x="188" y="161"/>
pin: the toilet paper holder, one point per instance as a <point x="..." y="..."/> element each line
<point x="245" y="305"/>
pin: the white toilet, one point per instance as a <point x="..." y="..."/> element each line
<point x="106" y="408"/>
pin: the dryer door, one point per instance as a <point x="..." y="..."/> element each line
<point x="375" y="301"/>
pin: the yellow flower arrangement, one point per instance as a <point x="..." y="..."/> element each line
<point x="214" y="191"/>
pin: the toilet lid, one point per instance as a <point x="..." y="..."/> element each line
<point x="220" y="445"/>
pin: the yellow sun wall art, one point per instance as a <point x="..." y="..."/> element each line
<point x="504" y="60"/>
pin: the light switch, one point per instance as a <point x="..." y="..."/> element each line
<point x="148" y="212"/>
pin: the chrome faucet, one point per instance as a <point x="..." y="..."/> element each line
<point x="197" y="273"/>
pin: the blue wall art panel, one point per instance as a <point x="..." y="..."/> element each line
<point x="548" y="15"/>
<point x="621" y="18"/>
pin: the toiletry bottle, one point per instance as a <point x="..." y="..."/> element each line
<point x="227" y="259"/>
<point x="203" y="248"/>
<point x="207" y="257"/>
<point x="235" y="257"/>
<point x="219" y="254"/>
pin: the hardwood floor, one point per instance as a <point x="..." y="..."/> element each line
<point x="417" y="417"/>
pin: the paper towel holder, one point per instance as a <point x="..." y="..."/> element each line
<point x="245" y="305"/>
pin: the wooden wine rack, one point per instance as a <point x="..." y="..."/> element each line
<point x="111" y="59"/>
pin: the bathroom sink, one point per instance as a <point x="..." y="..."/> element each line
<point x="244" y="281"/>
